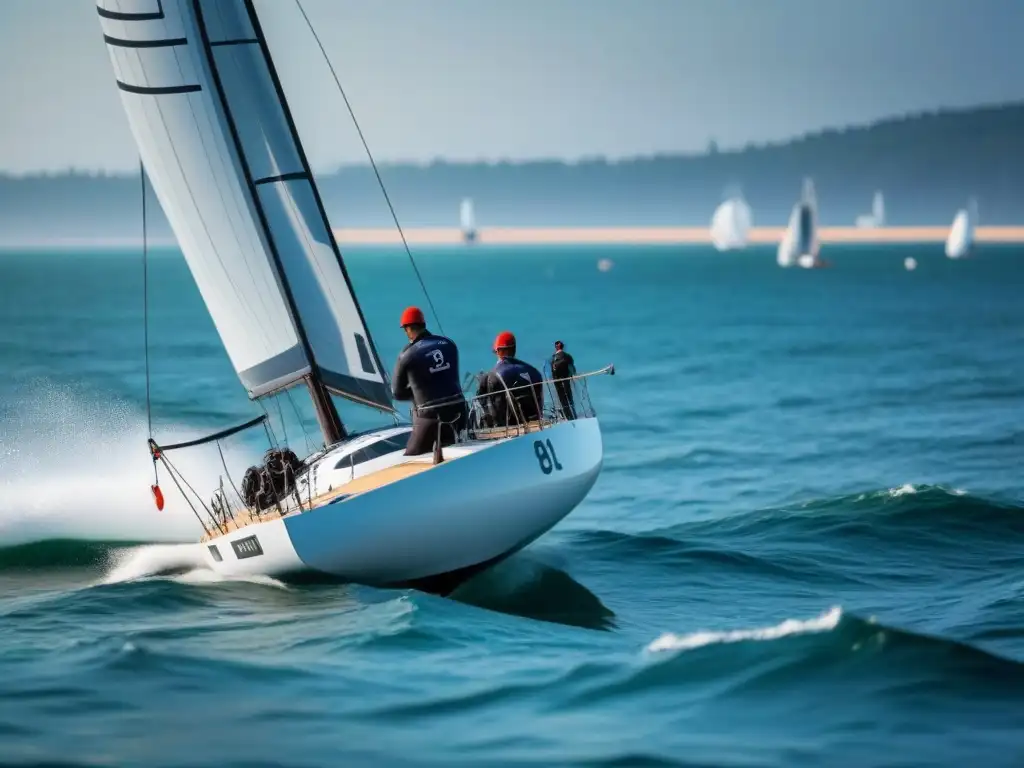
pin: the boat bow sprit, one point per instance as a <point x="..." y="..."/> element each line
<point x="220" y="147"/>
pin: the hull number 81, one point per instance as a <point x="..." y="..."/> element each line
<point x="546" y="456"/>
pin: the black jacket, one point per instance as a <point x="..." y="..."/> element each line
<point x="518" y="376"/>
<point x="427" y="372"/>
<point x="562" y="365"/>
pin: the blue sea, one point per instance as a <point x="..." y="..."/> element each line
<point x="806" y="547"/>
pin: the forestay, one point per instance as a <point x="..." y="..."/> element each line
<point x="220" y="148"/>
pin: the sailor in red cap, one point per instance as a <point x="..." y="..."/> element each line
<point x="515" y="388"/>
<point x="427" y="373"/>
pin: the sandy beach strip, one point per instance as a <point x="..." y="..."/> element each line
<point x="658" y="235"/>
<point x="444" y="236"/>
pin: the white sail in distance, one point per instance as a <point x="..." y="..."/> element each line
<point x="877" y="216"/>
<point x="466" y="219"/>
<point x="878" y="209"/>
<point x="800" y="242"/>
<point x="960" y="240"/>
<point x="217" y="140"/>
<point x="730" y="224"/>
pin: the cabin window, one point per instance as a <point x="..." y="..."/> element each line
<point x="374" y="450"/>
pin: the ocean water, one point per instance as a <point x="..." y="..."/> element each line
<point x="806" y="546"/>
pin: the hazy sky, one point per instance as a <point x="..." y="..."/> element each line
<point x="492" y="79"/>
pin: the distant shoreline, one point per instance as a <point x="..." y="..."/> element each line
<point x="580" y="236"/>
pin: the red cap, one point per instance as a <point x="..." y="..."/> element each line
<point x="505" y="340"/>
<point x="412" y="316"/>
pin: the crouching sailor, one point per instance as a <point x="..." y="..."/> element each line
<point x="427" y="373"/>
<point x="514" y="388"/>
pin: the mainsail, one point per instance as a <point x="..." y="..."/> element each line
<point x="220" y="147"/>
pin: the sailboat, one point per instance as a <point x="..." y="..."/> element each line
<point x="730" y="224"/>
<point x="799" y="244"/>
<point x="960" y="241"/>
<point x="218" y="143"/>
<point x="467" y="220"/>
<point x="877" y="216"/>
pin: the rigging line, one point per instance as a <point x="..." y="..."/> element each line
<point x="280" y="415"/>
<point x="298" y="417"/>
<point x="145" y="300"/>
<point x="373" y="164"/>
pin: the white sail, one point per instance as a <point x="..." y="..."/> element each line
<point x="801" y="237"/>
<point x="878" y="209"/>
<point x="466" y="215"/>
<point x="730" y="224"/>
<point x="786" y="255"/>
<point x="219" y="146"/>
<point x="961" y="235"/>
<point x="877" y="216"/>
<point x="467" y="219"/>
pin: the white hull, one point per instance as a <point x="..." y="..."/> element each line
<point x="430" y="530"/>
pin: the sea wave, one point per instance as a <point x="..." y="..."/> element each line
<point x="930" y="514"/>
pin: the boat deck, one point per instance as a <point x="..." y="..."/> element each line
<point x="359" y="485"/>
<point x="515" y="430"/>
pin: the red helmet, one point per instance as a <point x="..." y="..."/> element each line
<point x="505" y="340"/>
<point x="412" y="316"/>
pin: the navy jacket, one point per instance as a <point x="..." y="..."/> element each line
<point x="515" y="375"/>
<point x="427" y="372"/>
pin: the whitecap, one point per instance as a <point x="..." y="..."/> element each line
<point x="903" y="490"/>
<point x="672" y="642"/>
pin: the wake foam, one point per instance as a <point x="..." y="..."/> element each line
<point x="153" y="560"/>
<point x="181" y="563"/>
<point x="826" y="622"/>
<point x="75" y="468"/>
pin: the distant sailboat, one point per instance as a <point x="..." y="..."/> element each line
<point x="468" y="220"/>
<point x="960" y="242"/>
<point x="800" y="244"/>
<point x="730" y="224"/>
<point x="877" y="216"/>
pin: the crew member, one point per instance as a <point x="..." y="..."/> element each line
<point x="563" y="368"/>
<point x="427" y="372"/>
<point x="513" y="378"/>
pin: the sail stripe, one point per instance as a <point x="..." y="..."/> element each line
<point x="167" y="43"/>
<point x="241" y="41"/>
<point x="154" y="90"/>
<point x="123" y="16"/>
<point x="282" y="177"/>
